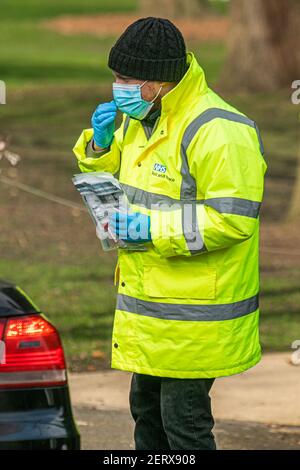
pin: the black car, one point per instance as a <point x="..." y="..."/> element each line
<point x="35" y="407"/>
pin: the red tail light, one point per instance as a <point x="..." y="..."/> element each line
<point x="33" y="353"/>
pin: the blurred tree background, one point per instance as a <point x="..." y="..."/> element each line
<point x="263" y="34"/>
<point x="54" y="62"/>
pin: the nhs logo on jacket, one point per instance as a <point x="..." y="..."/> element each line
<point x="159" y="167"/>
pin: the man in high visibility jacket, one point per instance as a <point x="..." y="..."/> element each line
<point x="193" y="170"/>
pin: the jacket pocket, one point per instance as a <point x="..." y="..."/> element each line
<point x="180" y="282"/>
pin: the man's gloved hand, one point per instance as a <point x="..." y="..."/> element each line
<point x="103" y="122"/>
<point x="130" y="227"/>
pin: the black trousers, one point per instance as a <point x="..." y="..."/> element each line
<point x="171" y="414"/>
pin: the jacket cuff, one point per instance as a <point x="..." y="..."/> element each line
<point x="166" y="232"/>
<point x="90" y="152"/>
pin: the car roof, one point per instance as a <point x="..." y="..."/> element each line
<point x="4" y="283"/>
<point x="13" y="301"/>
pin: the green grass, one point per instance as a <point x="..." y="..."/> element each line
<point x="31" y="54"/>
<point x="49" y="57"/>
<point x="279" y="302"/>
<point x="210" y="56"/>
<point x="220" y="6"/>
<point x="36" y="9"/>
<point x="19" y="10"/>
<point x="46" y="56"/>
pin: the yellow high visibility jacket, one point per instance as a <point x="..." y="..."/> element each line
<point x="188" y="306"/>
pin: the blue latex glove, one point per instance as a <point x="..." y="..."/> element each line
<point x="131" y="228"/>
<point x="103" y="123"/>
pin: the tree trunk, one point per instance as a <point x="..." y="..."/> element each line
<point x="173" y="8"/>
<point x="262" y="45"/>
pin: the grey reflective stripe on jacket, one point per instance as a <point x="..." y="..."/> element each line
<point x="188" y="186"/>
<point x="126" y="124"/>
<point x="187" y="312"/>
<point x="234" y="205"/>
<point x="229" y="205"/>
<point x="226" y="205"/>
<point x="188" y="189"/>
<point x="147" y="199"/>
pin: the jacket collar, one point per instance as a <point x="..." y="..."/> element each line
<point x="192" y="85"/>
<point x="151" y="117"/>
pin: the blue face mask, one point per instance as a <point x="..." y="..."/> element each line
<point x="129" y="100"/>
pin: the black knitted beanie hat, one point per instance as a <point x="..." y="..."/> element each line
<point x="150" y="49"/>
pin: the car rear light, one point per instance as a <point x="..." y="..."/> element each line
<point x="34" y="354"/>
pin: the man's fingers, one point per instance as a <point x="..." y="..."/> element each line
<point x="103" y="124"/>
<point x="110" y="104"/>
<point x="100" y="118"/>
<point x="99" y="112"/>
<point x="106" y="107"/>
<point x="104" y="121"/>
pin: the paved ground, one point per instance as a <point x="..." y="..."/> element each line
<point x="255" y="410"/>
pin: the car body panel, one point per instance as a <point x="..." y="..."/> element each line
<point x="35" y="417"/>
